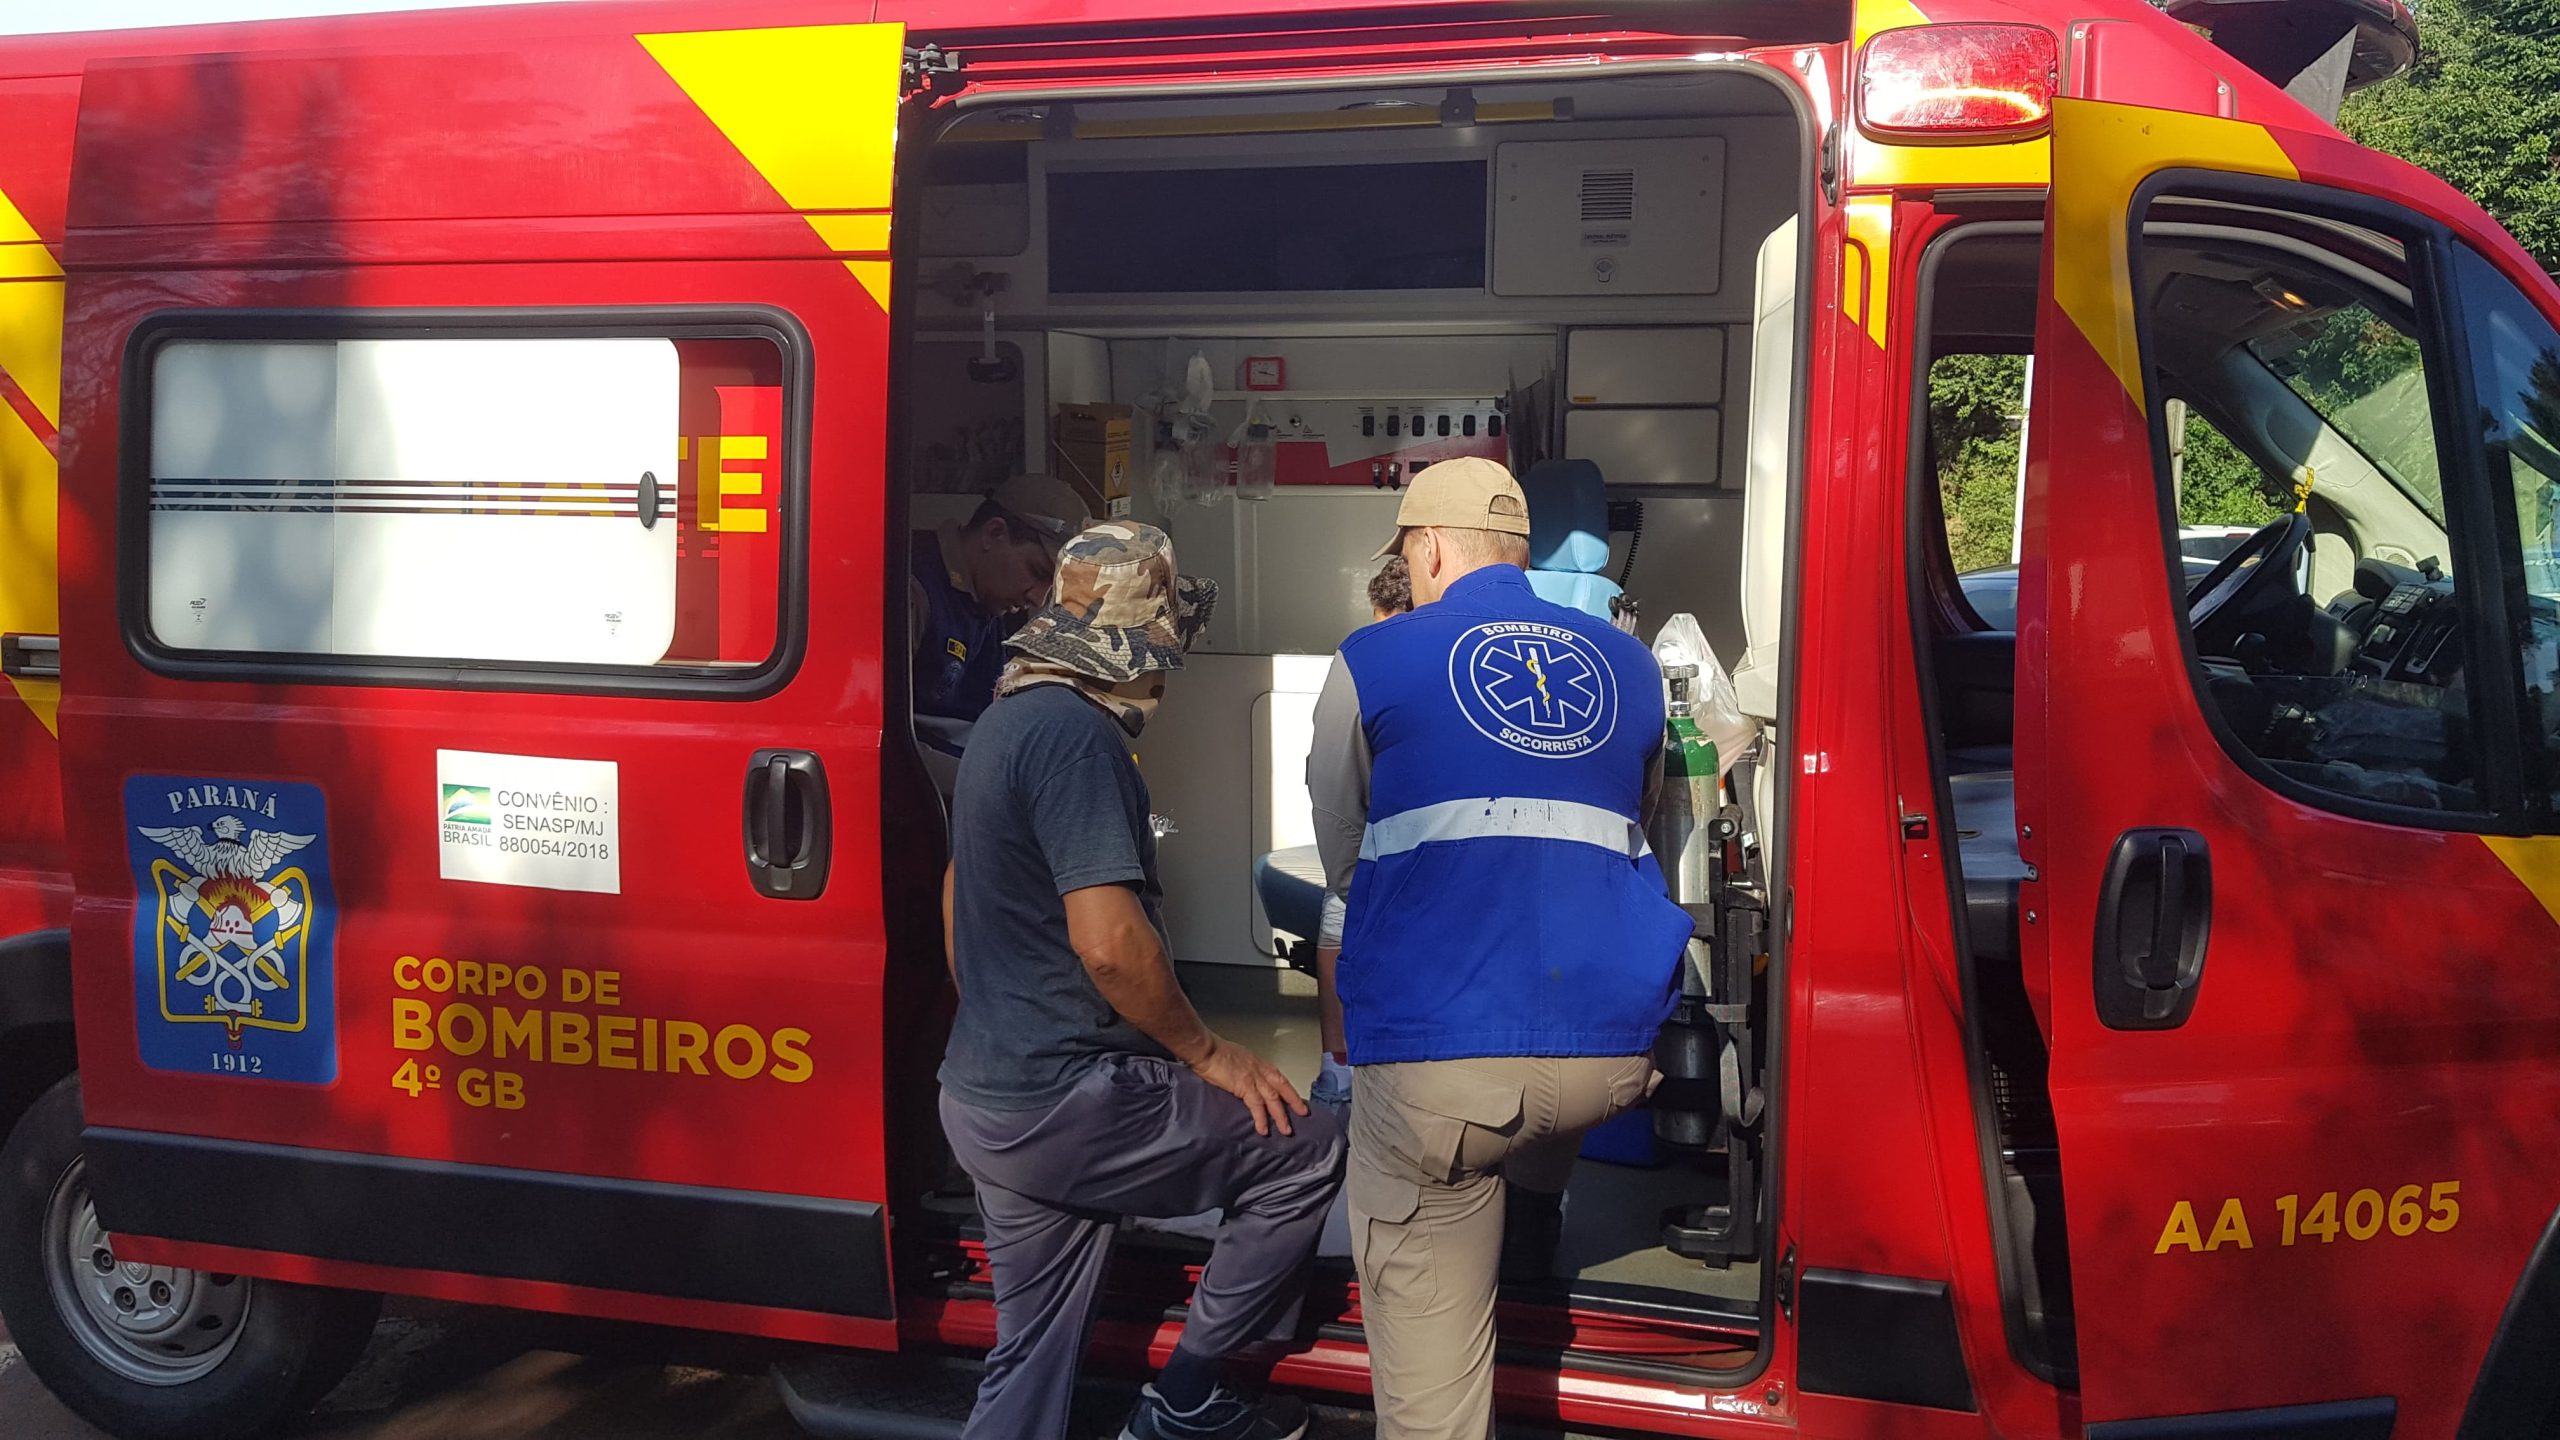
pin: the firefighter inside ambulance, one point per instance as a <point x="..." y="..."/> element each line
<point x="968" y="587"/>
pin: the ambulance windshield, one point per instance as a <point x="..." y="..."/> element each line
<point x="2364" y="376"/>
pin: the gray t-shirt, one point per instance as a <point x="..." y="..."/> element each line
<point x="1048" y="801"/>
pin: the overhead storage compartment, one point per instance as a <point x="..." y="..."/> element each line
<point x="1601" y="217"/>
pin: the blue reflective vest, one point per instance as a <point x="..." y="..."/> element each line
<point x="1505" y="902"/>
<point x="956" y="664"/>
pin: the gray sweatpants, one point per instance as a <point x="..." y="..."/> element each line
<point x="1137" y="1136"/>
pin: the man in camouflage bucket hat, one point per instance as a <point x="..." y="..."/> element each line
<point x="1118" y="618"/>
<point x="1079" y="1084"/>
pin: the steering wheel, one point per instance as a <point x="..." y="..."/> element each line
<point x="2220" y="605"/>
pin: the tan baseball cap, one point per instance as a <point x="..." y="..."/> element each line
<point x="1045" y="503"/>
<point x="1469" y="493"/>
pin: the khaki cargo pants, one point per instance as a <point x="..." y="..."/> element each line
<point x="1431" y="1144"/>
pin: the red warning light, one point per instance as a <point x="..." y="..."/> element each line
<point x="1957" y="84"/>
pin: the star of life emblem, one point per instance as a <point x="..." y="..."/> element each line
<point x="232" y="952"/>
<point x="1539" y="689"/>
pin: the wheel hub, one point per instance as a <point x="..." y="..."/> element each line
<point x="152" y="1324"/>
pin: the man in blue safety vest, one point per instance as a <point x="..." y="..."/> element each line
<point x="1480" y="773"/>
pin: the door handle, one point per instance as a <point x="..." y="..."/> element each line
<point x="2155" y="913"/>
<point x="787" y="823"/>
<point x="31" y="657"/>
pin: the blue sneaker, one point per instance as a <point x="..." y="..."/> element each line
<point x="1225" y="1415"/>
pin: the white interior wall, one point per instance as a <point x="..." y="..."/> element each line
<point x="964" y="436"/>
<point x="1294" y="569"/>
<point x="1079" y="369"/>
<point x="1689" y="560"/>
<point x="1773" y="412"/>
<point x="1224" y="757"/>
<point x="1761" y="180"/>
<point x="1691" y="554"/>
<point x="927" y="512"/>
<point x="1343" y="362"/>
<point x="1225" y="762"/>
<point x="1325" y="535"/>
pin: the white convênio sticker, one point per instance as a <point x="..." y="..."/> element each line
<point x="527" y="820"/>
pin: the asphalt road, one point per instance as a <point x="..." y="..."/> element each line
<point x="449" y="1374"/>
<point x="443" y="1373"/>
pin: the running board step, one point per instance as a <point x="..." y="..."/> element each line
<point x="857" y="1395"/>
<point x="851" y="1396"/>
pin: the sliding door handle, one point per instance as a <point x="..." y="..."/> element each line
<point x="31" y="657"/>
<point x="2155" y="914"/>
<point x="787" y="823"/>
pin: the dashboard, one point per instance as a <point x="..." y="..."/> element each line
<point x="2411" y="634"/>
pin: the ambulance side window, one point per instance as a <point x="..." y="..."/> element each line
<point x="480" y="501"/>
<point x="2325" y="592"/>
<point x="2515" y="368"/>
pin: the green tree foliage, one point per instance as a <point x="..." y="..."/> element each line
<point x="2217" y="485"/>
<point x="1975" y="405"/>
<point x="2368" y="377"/>
<point x="2353" y="353"/>
<point x="2542" y="403"/>
<point x="2482" y="109"/>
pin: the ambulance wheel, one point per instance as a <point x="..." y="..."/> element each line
<point x="146" y="1352"/>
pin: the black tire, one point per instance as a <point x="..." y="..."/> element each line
<point x="287" y="1345"/>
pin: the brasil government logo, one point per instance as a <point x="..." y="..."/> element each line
<point x="234" y="927"/>
<point x="465" y="804"/>
<point x="1540" y="689"/>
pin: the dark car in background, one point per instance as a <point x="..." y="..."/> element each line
<point x="1993" y="592"/>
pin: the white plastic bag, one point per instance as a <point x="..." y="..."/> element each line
<point x="1204" y="473"/>
<point x="1199" y="395"/>
<point x="1257" y="449"/>
<point x="1165" y="477"/>
<point x="1712" y="703"/>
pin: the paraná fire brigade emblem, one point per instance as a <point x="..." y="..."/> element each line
<point x="235" y="920"/>
<point x="232" y="927"/>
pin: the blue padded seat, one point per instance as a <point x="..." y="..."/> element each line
<point x="1291" y="885"/>
<point x="1569" y="535"/>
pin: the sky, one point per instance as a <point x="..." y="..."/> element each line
<point x="29" y="17"/>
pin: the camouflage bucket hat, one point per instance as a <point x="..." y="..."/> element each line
<point x="1117" y="609"/>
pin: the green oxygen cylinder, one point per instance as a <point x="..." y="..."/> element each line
<point x="1681" y="819"/>
<point x="1687" y="1112"/>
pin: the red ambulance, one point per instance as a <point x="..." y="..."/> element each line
<point x="464" y="834"/>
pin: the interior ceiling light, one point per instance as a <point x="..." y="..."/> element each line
<point x="2275" y="292"/>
